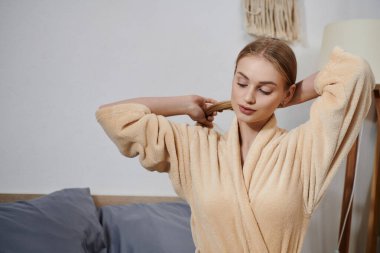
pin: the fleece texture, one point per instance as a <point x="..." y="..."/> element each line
<point x="264" y="205"/>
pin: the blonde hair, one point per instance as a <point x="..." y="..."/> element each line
<point x="276" y="52"/>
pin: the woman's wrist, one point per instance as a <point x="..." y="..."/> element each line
<point x="190" y="102"/>
<point x="304" y="91"/>
<point x="170" y="106"/>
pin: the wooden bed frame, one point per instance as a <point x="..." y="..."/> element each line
<point x="100" y="200"/>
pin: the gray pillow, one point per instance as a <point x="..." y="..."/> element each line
<point x="65" y="221"/>
<point x="142" y="228"/>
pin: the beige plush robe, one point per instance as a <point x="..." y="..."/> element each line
<point x="265" y="205"/>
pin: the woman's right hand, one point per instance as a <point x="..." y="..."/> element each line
<point x="197" y="107"/>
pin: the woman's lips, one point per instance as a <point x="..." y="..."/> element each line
<point x="246" y="110"/>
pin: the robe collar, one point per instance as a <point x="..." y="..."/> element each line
<point x="263" y="137"/>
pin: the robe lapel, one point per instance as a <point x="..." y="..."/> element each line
<point x="242" y="178"/>
<point x="265" y="135"/>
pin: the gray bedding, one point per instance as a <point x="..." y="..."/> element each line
<point x="67" y="221"/>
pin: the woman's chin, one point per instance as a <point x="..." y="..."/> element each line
<point x="248" y="119"/>
<point x="252" y="120"/>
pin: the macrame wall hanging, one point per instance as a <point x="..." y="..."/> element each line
<point x="272" y="18"/>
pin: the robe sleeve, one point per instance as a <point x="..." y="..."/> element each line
<point x="160" y="144"/>
<point x="345" y="87"/>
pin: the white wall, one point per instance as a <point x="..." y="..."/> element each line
<point x="59" y="60"/>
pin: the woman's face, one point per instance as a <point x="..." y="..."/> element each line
<point x="257" y="90"/>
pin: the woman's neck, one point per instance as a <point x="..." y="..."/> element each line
<point x="247" y="134"/>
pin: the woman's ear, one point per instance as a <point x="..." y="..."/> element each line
<point x="288" y="95"/>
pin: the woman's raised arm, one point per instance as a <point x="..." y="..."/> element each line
<point x="192" y="105"/>
<point x="345" y="86"/>
<point x="304" y="90"/>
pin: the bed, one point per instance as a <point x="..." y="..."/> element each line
<point x="72" y="220"/>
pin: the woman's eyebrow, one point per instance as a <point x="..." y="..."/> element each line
<point x="246" y="77"/>
<point x="268" y="82"/>
<point x="262" y="82"/>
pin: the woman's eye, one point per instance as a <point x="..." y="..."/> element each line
<point x="242" y="84"/>
<point x="265" y="92"/>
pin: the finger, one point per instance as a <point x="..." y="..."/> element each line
<point x="205" y="123"/>
<point x="210" y="101"/>
<point x="208" y="124"/>
<point x="210" y="118"/>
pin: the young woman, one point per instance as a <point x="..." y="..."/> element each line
<point x="254" y="188"/>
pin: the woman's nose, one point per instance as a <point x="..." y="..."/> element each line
<point x="249" y="97"/>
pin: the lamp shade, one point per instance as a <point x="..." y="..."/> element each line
<point x="357" y="36"/>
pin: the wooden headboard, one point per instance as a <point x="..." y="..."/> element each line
<point x="100" y="200"/>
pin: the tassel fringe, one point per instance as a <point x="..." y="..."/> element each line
<point x="272" y="18"/>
